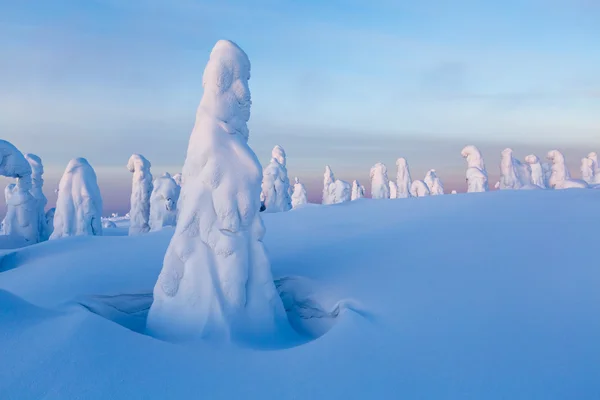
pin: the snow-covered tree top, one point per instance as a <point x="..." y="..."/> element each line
<point x="473" y="156"/>
<point x="37" y="168"/>
<point x="12" y="162"/>
<point x="401" y="162"/>
<point x="556" y="157"/>
<point x="278" y="154"/>
<point x="532" y="159"/>
<point x="138" y="162"/>
<point x="226" y="92"/>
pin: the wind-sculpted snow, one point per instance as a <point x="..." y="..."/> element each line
<point x="163" y="202"/>
<point x="299" y="195"/>
<point x="216" y="278"/>
<point x="403" y="179"/>
<point x="141" y="190"/>
<point x="419" y="189"/>
<point x="477" y="177"/>
<point x="12" y="162"/>
<point x="434" y="184"/>
<point x="380" y="187"/>
<point x="560" y="177"/>
<point x="358" y="191"/>
<point x="276" y="184"/>
<point x="79" y="204"/>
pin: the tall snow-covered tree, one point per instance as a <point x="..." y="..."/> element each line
<point x="163" y="202"/>
<point x="22" y="218"/>
<point x="380" y="186"/>
<point x="216" y="280"/>
<point x="328" y="187"/>
<point x="358" y="191"/>
<point x="537" y="173"/>
<point x="433" y="182"/>
<point x="419" y="189"/>
<point x="477" y="181"/>
<point x="561" y="178"/>
<point x="299" y="195"/>
<point x="37" y="184"/>
<point x="141" y="190"/>
<point x="79" y="204"/>
<point x="275" y="184"/>
<point x="403" y="179"/>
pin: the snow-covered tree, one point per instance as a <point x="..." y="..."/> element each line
<point x="79" y="203"/>
<point x="328" y="187"/>
<point x="8" y="191"/>
<point x="37" y="184"/>
<point x="537" y="173"/>
<point x="596" y="167"/>
<point x="453" y="192"/>
<point x="380" y="186"/>
<point x="419" y="189"/>
<point x="547" y="170"/>
<point x="163" y="202"/>
<point x="434" y="183"/>
<point x="587" y="171"/>
<point x="22" y="218"/>
<point x="561" y="178"/>
<point x="299" y="194"/>
<point x="476" y="181"/>
<point x="275" y="184"/>
<point x="216" y="280"/>
<point x="178" y="178"/>
<point x="509" y="171"/>
<point x="358" y="191"/>
<point x="403" y="179"/>
<point x="141" y="189"/>
<point x="49" y="218"/>
<point x="393" y="190"/>
<point x="342" y="191"/>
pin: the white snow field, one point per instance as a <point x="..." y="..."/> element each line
<point x="505" y="306"/>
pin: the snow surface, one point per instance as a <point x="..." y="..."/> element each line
<point x="79" y="204"/>
<point x="380" y="187"/>
<point x="463" y="322"/>
<point x="163" y="202"/>
<point x="141" y="190"/>
<point x="216" y="280"/>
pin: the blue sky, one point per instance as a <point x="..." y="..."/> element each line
<point x="347" y="83"/>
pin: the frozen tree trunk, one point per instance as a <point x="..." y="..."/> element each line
<point x="141" y="190"/>
<point x="434" y="183"/>
<point x="275" y="184"/>
<point x="342" y="191"/>
<point x="393" y="190"/>
<point x="537" y="173"/>
<point x="37" y="183"/>
<point x="163" y="202"/>
<point x="22" y="218"/>
<point x="419" y="189"/>
<point x="403" y="179"/>
<point x="79" y="204"/>
<point x="560" y="177"/>
<point x="299" y="195"/>
<point x="328" y="188"/>
<point x="380" y="186"/>
<point x="477" y="177"/>
<point x="358" y="191"/>
<point x="216" y="279"/>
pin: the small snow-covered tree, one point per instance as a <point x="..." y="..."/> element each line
<point x="216" y="280"/>
<point x="358" y="191"/>
<point x="163" y="202"/>
<point x="509" y="173"/>
<point x="561" y="178"/>
<point x="403" y="179"/>
<point x="342" y="191"/>
<point x="537" y="173"/>
<point x="79" y="203"/>
<point x="275" y="184"/>
<point x="380" y="187"/>
<point x="178" y="178"/>
<point x="393" y="190"/>
<point x="108" y="224"/>
<point x="141" y="190"/>
<point x="419" y="189"/>
<point x="299" y="194"/>
<point x="434" y="183"/>
<point x="587" y="171"/>
<point x="37" y="184"/>
<point x="22" y="218"/>
<point x="328" y="187"/>
<point x="453" y="192"/>
<point x="547" y="170"/>
<point x="596" y="166"/>
<point x="476" y="181"/>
